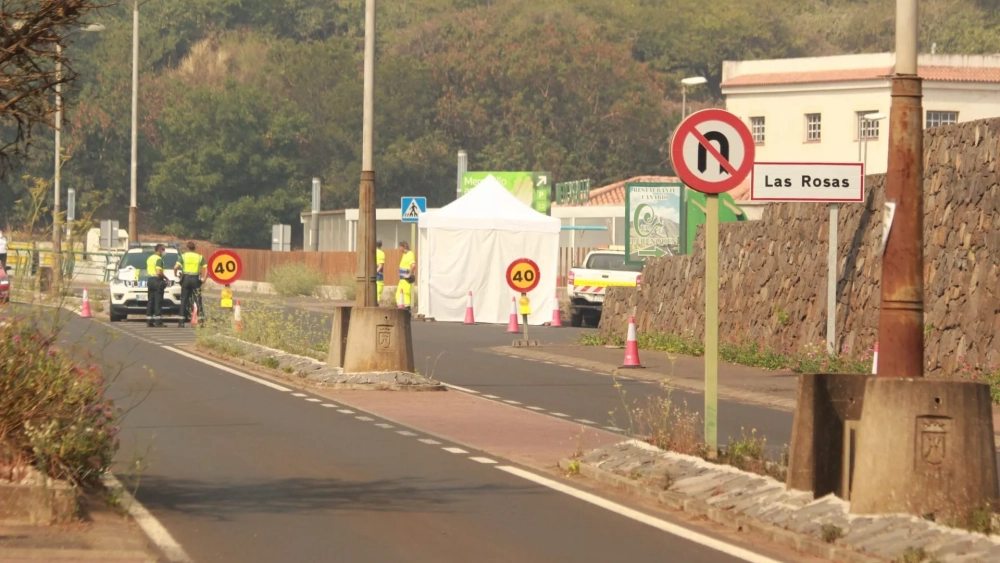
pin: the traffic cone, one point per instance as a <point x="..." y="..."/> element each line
<point x="400" y="304"/>
<point x="237" y="318"/>
<point x="512" y="327"/>
<point x="194" y="314"/>
<point x="470" y="317"/>
<point x="875" y="360"/>
<point x="556" y="313"/>
<point x="85" y="309"/>
<point x="631" y="347"/>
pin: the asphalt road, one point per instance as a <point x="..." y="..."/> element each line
<point x="239" y="471"/>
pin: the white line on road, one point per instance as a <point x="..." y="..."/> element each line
<point x="263" y="382"/>
<point x="559" y="414"/>
<point x="455" y="450"/>
<point x="384" y="425"/>
<point x="405" y="433"/>
<point x="482" y="459"/>
<point x="564" y="366"/>
<point x="583" y="370"/>
<point x="585" y="421"/>
<point x="429" y="441"/>
<point x="345" y="411"/>
<point x="512" y="402"/>
<point x="149" y="524"/>
<point x="329" y="405"/>
<point x="535" y="408"/>
<point x="613" y="429"/>
<point x="313" y="400"/>
<point x="365" y="418"/>
<point x="663" y="525"/>
<point x="462" y="389"/>
<point x="491" y="396"/>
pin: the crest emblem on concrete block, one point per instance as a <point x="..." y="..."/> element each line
<point x="383" y="334"/>
<point x="932" y="436"/>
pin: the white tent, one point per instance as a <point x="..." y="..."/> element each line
<point x="467" y="246"/>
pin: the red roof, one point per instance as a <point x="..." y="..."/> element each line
<point x="934" y="73"/>
<point x="614" y="194"/>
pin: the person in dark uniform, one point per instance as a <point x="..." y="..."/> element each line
<point x="192" y="276"/>
<point x="156" y="284"/>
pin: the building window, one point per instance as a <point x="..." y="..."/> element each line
<point x="939" y="118"/>
<point x="814" y="127"/>
<point x="867" y="127"/>
<point x="757" y="128"/>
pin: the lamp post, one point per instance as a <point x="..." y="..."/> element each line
<point x="133" y="210"/>
<point x="57" y="174"/>
<point x="685" y="82"/>
<point x="366" y="201"/>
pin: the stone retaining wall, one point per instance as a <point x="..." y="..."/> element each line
<point x="773" y="271"/>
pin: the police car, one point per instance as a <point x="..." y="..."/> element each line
<point x="128" y="284"/>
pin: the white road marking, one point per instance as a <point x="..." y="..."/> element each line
<point x="329" y="405"/>
<point x="313" y="400"/>
<point x="612" y="428"/>
<point x="462" y="389"/>
<point x="405" y="433"/>
<point x="455" y="450"/>
<point x="564" y="366"/>
<point x="482" y="459"/>
<point x="365" y="418"/>
<point x="491" y="396"/>
<point x="298" y="394"/>
<point x="550" y="363"/>
<point x="345" y="411"/>
<point x="150" y="525"/>
<point x="512" y="402"/>
<point x="583" y="370"/>
<point x="536" y="408"/>
<point x="585" y="421"/>
<point x="560" y="414"/>
<point x="632" y="514"/>
<point x="263" y="382"/>
<point x="384" y="425"/>
<point x="429" y="441"/>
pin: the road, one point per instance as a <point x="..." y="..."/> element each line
<point x="242" y="471"/>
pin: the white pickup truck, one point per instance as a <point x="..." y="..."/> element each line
<point x="586" y="287"/>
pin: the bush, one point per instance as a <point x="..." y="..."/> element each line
<point x="294" y="280"/>
<point x="349" y="284"/>
<point x="297" y="332"/>
<point x="53" y="413"/>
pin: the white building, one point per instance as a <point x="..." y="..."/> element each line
<point x="809" y="109"/>
<point x="338" y="230"/>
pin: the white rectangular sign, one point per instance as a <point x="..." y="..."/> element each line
<point x="808" y="182"/>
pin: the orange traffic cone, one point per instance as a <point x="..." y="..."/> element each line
<point x="512" y="326"/>
<point x="556" y="313"/>
<point x="470" y="317"/>
<point x="194" y="314"/>
<point x="237" y="318"/>
<point x="85" y="309"/>
<point x="400" y="304"/>
<point x="875" y="360"/>
<point x="631" y="347"/>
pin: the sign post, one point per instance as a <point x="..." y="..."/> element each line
<point x="712" y="151"/>
<point x="523" y="276"/>
<point x="832" y="183"/>
<point x="412" y="208"/>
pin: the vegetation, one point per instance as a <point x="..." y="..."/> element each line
<point x="295" y="280"/>
<point x="296" y="332"/>
<point x="242" y="102"/>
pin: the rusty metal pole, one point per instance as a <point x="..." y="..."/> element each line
<point x="365" y="294"/>
<point x="901" y="330"/>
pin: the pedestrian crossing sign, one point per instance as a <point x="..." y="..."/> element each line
<point x="413" y="208"/>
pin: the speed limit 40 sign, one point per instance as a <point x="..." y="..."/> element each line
<point x="522" y="275"/>
<point x="225" y="267"/>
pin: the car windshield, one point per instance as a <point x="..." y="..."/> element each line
<point x="137" y="260"/>
<point x="614" y="262"/>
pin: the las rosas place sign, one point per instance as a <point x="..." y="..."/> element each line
<point x="808" y="182"/>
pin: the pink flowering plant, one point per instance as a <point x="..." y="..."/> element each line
<point x="53" y="411"/>
<point x="989" y="375"/>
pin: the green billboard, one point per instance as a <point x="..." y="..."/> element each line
<point x="696" y="206"/>
<point x="533" y="188"/>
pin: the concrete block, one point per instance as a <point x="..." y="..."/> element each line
<point x="378" y="340"/>
<point x="338" y="336"/>
<point x="925" y="447"/>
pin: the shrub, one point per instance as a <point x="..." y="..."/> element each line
<point x="53" y="413"/>
<point x="296" y="332"/>
<point x="348" y="283"/>
<point x="294" y="280"/>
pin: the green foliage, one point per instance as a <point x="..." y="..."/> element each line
<point x="296" y="332"/>
<point x="989" y="375"/>
<point x="294" y="280"/>
<point x="53" y="412"/>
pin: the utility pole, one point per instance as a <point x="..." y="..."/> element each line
<point x="57" y="176"/>
<point x="133" y="210"/>
<point x="314" y="217"/>
<point x="366" y="202"/>
<point x="463" y="166"/>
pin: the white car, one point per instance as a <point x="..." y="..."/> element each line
<point x="587" y="286"/>
<point x="128" y="286"/>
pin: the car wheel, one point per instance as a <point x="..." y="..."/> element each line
<point x="575" y="319"/>
<point x="115" y="318"/>
<point x="593" y="319"/>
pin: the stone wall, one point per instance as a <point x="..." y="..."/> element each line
<point x="773" y="271"/>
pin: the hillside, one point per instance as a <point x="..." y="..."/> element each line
<point x="242" y="102"/>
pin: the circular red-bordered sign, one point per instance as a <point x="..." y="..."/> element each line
<point x="712" y="151"/>
<point x="225" y="267"/>
<point x="523" y="275"/>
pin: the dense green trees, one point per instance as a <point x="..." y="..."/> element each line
<point x="242" y="102"/>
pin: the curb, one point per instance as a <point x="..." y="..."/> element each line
<point x="699" y="508"/>
<point x="684" y="384"/>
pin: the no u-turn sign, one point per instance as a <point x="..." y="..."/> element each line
<point x="712" y="151"/>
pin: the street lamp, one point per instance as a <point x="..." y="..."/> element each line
<point x="870" y="117"/>
<point x="57" y="176"/>
<point x="685" y="82"/>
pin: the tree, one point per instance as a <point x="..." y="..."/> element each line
<point x="33" y="34"/>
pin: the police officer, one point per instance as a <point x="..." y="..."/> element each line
<point x="156" y="284"/>
<point x="379" y="272"/>
<point x="192" y="276"/>
<point x="407" y="275"/>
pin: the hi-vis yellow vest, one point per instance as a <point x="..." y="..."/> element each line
<point x="408" y="259"/>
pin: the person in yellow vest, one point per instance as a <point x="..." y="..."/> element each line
<point x="193" y="271"/>
<point x="379" y="272"/>
<point x="407" y="275"/>
<point x="156" y="284"/>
